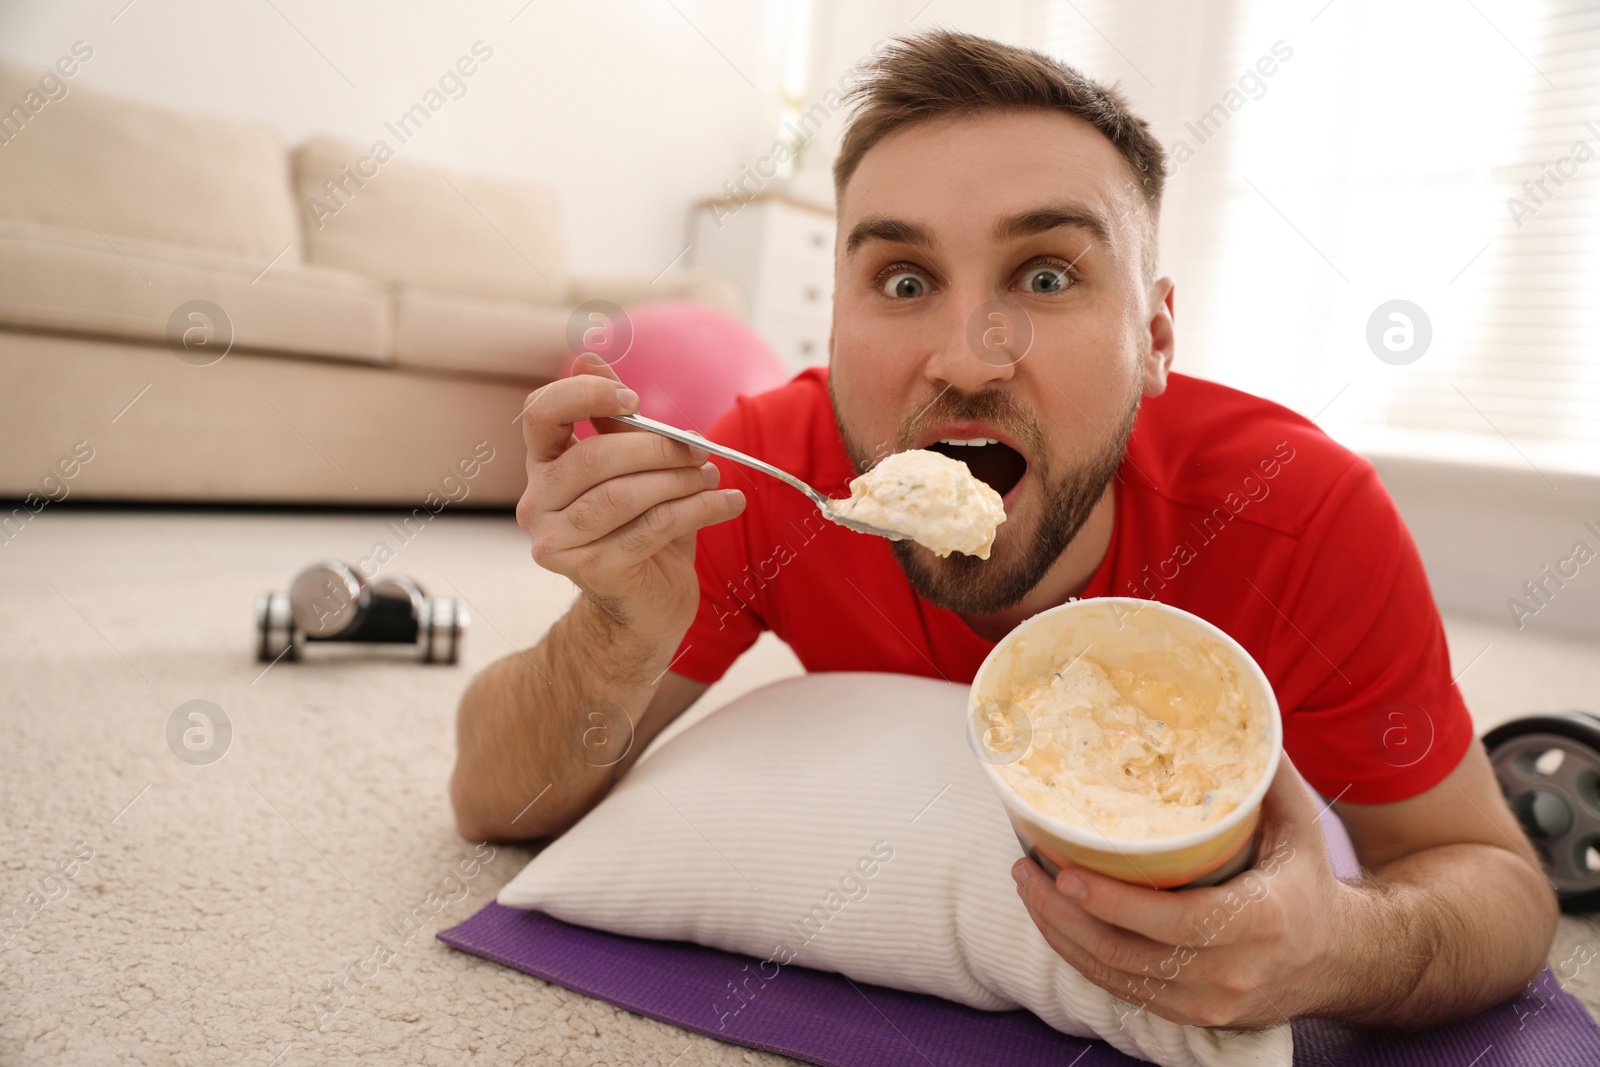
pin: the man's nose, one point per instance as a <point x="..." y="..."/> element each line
<point x="981" y="338"/>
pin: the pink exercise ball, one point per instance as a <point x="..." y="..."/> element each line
<point x="688" y="362"/>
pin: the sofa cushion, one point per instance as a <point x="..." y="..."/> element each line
<point x="95" y="162"/>
<point x="442" y="331"/>
<point x="63" y="279"/>
<point x="368" y="212"/>
<point x="256" y="429"/>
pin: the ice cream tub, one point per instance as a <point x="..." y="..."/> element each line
<point x="1127" y="737"/>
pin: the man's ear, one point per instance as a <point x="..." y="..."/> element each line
<point x="1158" y="359"/>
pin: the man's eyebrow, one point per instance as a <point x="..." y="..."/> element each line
<point x="883" y="228"/>
<point x="1045" y="219"/>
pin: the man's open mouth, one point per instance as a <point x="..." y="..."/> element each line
<point x="990" y="461"/>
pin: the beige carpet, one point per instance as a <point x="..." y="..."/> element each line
<point x="221" y="900"/>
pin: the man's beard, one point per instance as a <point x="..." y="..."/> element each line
<point x="973" y="586"/>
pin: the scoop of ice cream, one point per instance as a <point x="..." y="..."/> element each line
<point x="931" y="498"/>
<point x="1137" y="754"/>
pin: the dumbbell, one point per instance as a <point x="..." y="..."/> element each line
<point x="329" y="602"/>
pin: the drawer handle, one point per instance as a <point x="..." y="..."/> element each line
<point x="813" y="293"/>
<point x="817" y="239"/>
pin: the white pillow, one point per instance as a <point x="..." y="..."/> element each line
<point x="839" y="821"/>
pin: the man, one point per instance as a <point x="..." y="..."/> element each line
<point x="996" y="299"/>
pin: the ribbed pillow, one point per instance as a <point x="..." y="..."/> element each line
<point x="839" y="821"/>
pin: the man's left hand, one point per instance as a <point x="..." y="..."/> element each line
<point x="1259" y="949"/>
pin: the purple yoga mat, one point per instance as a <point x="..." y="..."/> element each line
<point x="828" y="1019"/>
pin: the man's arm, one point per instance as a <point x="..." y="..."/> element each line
<point x="542" y="734"/>
<point x="1453" y="917"/>
<point x="1456" y="911"/>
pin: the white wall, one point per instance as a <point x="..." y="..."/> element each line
<point x="631" y="110"/>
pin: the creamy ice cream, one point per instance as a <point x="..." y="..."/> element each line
<point x="929" y="497"/>
<point x="1153" y="748"/>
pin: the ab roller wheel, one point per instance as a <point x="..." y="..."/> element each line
<point x="1548" y="767"/>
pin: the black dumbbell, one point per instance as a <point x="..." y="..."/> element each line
<point x="330" y="602"/>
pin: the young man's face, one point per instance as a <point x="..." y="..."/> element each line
<point x="990" y="285"/>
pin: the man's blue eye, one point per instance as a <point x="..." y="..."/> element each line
<point x="1045" y="280"/>
<point x="904" y="285"/>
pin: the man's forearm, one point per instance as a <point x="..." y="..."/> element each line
<point x="1440" y="935"/>
<point x="540" y="733"/>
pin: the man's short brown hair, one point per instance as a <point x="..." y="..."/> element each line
<point x="941" y="73"/>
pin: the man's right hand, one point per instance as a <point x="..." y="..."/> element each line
<point x="617" y="513"/>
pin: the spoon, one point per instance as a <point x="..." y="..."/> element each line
<point x="824" y="504"/>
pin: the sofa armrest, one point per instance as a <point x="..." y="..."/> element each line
<point x="702" y="287"/>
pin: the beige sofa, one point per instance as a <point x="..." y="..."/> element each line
<point x="379" y="319"/>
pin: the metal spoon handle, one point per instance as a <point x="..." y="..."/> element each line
<point x="823" y="504"/>
<point x="724" y="451"/>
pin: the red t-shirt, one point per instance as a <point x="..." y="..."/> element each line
<point x="1229" y="506"/>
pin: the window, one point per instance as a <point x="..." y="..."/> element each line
<point x="1331" y="159"/>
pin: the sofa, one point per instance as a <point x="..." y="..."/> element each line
<point x="191" y="312"/>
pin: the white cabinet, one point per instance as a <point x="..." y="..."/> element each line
<point x="779" y="251"/>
